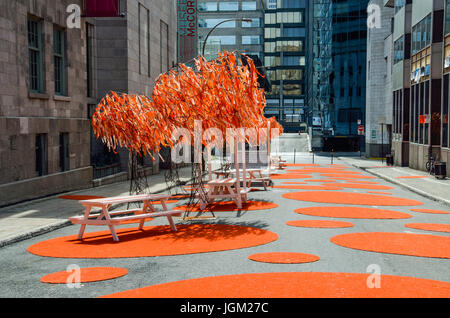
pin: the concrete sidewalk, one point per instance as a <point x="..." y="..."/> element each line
<point x="25" y="220"/>
<point x="428" y="186"/>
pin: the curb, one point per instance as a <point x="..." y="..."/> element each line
<point x="57" y="226"/>
<point x="412" y="189"/>
<point x="34" y="233"/>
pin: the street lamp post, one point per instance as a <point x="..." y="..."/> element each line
<point x="228" y="20"/>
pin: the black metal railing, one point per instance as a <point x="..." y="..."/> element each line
<point x="104" y="171"/>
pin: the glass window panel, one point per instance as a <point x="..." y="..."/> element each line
<point x="292" y="89"/>
<point x="35" y="56"/>
<point x="249" y="6"/>
<point x="228" y="6"/>
<point x="293" y="32"/>
<point x="445" y="113"/>
<point x="210" y="23"/>
<point x="254" y="24"/>
<point x="207" y="6"/>
<point x="447" y="17"/>
<point x="223" y="39"/>
<point x="251" y="39"/>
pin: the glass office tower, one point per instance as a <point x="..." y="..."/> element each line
<point x="285" y="24"/>
<point x="235" y="35"/>
<point x="349" y="73"/>
<point x="319" y="94"/>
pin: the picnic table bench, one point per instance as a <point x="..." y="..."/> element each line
<point x="277" y="162"/>
<point x="255" y="175"/>
<point x="223" y="188"/>
<point x="105" y="217"/>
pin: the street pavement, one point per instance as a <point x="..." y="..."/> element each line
<point x="28" y="219"/>
<point x="21" y="271"/>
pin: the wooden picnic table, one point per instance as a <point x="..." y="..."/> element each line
<point x="255" y="174"/>
<point x="224" y="188"/>
<point x="222" y="174"/>
<point x="105" y="217"/>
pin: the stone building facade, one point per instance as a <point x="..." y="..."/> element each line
<point x="52" y="77"/>
<point x="379" y="81"/>
<point x="44" y="128"/>
<point x="130" y="52"/>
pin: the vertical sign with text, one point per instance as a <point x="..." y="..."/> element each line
<point x="187" y="30"/>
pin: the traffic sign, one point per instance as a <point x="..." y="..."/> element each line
<point x="360" y="130"/>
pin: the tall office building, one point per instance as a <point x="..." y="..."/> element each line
<point x="336" y="92"/>
<point x="349" y="74"/>
<point x="320" y="69"/>
<point x="234" y="35"/>
<point x="421" y="79"/>
<point x="285" y="33"/>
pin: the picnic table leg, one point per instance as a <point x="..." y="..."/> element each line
<point x="249" y="183"/>
<point x="83" y="226"/>
<point x="111" y="227"/>
<point x="236" y="197"/>
<point x="144" y="210"/>
<point x="263" y="181"/>
<point x="169" y="217"/>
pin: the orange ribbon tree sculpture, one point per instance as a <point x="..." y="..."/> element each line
<point x="221" y="94"/>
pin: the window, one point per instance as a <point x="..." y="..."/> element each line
<point x="90" y="59"/>
<point x="272" y="4"/>
<point x="164" y="46"/>
<point x="421" y="113"/>
<point x="399" y="4"/>
<point x="256" y="23"/>
<point x="271" y="61"/>
<point x="293" y="32"/>
<point x="447" y="17"/>
<point x="293" y="60"/>
<point x="59" y="60"/>
<point x="228" y="6"/>
<point x="35" y="56"/>
<point x="251" y="39"/>
<point x="144" y="40"/>
<point x="293" y="74"/>
<point x="399" y="50"/>
<point x="207" y="6"/>
<point x="292" y="4"/>
<point x="289" y="17"/>
<point x="397" y="109"/>
<point x="269" y="47"/>
<point x="270" y="18"/>
<point x="210" y="23"/>
<point x="41" y="155"/>
<point x="249" y="6"/>
<point x="292" y="89"/>
<point x="289" y="46"/>
<point x="445" y="112"/>
<point x="64" y="151"/>
<point x="271" y="33"/>
<point x="224" y="39"/>
<point x="421" y="35"/>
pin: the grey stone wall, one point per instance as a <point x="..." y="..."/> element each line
<point x="128" y="56"/>
<point x="379" y="83"/>
<point x="23" y="114"/>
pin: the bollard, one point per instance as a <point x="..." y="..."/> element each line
<point x="332" y="156"/>
<point x="295" y="154"/>
<point x="313" y="157"/>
